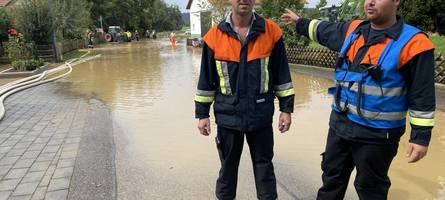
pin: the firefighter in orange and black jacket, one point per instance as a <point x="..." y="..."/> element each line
<point x="384" y="71"/>
<point x="242" y="75"/>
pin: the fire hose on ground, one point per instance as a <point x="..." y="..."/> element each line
<point x="35" y="80"/>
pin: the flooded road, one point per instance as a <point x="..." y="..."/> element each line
<point x="150" y="87"/>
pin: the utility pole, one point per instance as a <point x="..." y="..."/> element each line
<point x="101" y="26"/>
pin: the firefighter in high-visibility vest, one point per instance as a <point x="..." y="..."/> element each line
<point x="243" y="68"/>
<point x="173" y="39"/>
<point x="385" y="70"/>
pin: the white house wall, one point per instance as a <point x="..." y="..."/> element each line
<point x="195" y="24"/>
<point x="195" y="18"/>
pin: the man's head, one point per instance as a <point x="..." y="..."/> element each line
<point x="242" y="7"/>
<point x="381" y="11"/>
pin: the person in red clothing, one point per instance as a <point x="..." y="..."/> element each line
<point x="173" y="39"/>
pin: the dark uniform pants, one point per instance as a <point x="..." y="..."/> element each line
<point x="371" y="161"/>
<point x="230" y="145"/>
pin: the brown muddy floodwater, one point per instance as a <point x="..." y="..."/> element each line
<point x="149" y="88"/>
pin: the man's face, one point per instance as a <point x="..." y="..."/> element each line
<point x="242" y="7"/>
<point x="379" y="11"/>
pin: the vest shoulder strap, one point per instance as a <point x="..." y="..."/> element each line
<point x="273" y="30"/>
<point x="354" y="24"/>
<point x="417" y="43"/>
<point x="210" y="37"/>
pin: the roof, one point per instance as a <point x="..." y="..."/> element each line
<point x="189" y="4"/>
<point x="4" y="3"/>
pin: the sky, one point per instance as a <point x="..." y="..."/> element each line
<point x="183" y="3"/>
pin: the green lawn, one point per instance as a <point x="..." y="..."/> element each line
<point x="314" y="44"/>
<point x="73" y="54"/>
<point x="439" y="41"/>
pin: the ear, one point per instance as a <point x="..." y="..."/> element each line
<point x="396" y="3"/>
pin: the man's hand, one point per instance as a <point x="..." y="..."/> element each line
<point x="289" y="17"/>
<point x="415" y="152"/>
<point x="284" y="122"/>
<point x="204" y="126"/>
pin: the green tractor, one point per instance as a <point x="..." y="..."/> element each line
<point x="113" y="33"/>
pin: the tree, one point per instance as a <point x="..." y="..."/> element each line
<point x="35" y="20"/>
<point x="5" y="24"/>
<point x="273" y="9"/>
<point x="212" y="13"/>
<point x="321" y="4"/>
<point x="218" y="9"/>
<point x="314" y="13"/>
<point x="71" y="18"/>
<point x="351" y="9"/>
<point x="426" y="14"/>
<point x="42" y="20"/>
<point x="136" y="14"/>
<point x="101" y="8"/>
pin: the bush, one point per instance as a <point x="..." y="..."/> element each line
<point x="19" y="49"/>
<point x="5" y="24"/>
<point x="22" y="55"/>
<point x="27" y="65"/>
<point x="273" y="9"/>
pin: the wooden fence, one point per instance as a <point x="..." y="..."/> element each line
<point x="439" y="74"/>
<point x="312" y="56"/>
<point x="47" y="52"/>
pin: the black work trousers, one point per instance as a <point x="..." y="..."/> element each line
<point x="371" y="161"/>
<point x="230" y="145"/>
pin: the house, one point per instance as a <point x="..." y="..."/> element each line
<point x="9" y="3"/>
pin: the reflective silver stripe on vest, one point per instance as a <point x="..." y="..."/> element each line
<point x="389" y="116"/>
<point x="223" y="73"/>
<point x="264" y="84"/>
<point x="225" y="70"/>
<point x="376" y="91"/>
<point x="422" y="114"/>
<point x="285" y="86"/>
<point x="207" y="93"/>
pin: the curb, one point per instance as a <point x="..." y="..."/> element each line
<point x="7" y="74"/>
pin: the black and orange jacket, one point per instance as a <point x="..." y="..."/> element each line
<point x="415" y="63"/>
<point x="244" y="78"/>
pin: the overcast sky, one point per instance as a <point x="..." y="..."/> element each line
<point x="183" y="3"/>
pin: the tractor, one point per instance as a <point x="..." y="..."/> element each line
<point x="113" y="33"/>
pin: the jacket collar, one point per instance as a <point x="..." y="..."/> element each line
<point x="257" y="26"/>
<point x="392" y="32"/>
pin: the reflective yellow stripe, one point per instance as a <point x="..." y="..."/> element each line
<point x="204" y="99"/>
<point x="311" y="29"/>
<point x="422" y="121"/>
<point x="285" y="93"/>
<point x="266" y="70"/>
<point x="222" y="82"/>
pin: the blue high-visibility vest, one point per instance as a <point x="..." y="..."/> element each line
<point x="376" y="96"/>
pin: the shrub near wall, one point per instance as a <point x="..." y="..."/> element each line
<point x="21" y="54"/>
<point x="27" y="65"/>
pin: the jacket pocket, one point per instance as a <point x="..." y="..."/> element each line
<point x="264" y="104"/>
<point x="225" y="104"/>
